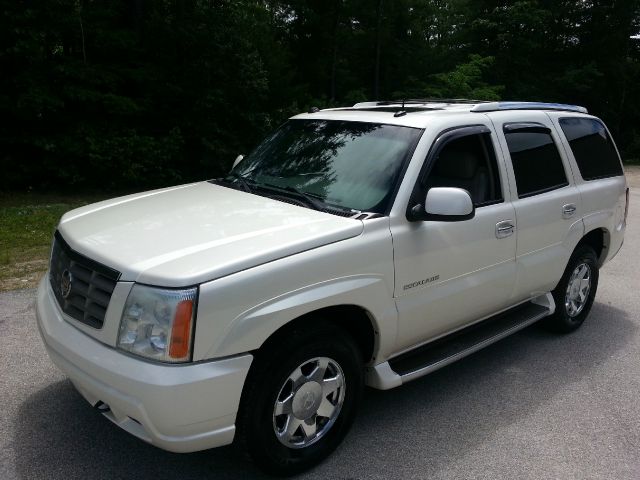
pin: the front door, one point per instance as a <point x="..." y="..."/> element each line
<point x="449" y="274"/>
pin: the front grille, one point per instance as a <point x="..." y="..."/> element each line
<point x="82" y="286"/>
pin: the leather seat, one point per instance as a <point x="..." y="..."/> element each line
<point x="462" y="169"/>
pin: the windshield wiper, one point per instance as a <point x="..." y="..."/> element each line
<point x="247" y="185"/>
<point x="312" y="200"/>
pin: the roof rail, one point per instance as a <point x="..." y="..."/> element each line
<point x="417" y="101"/>
<point x="498" y="106"/>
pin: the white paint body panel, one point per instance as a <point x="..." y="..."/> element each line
<point x="261" y="263"/>
<point x="194" y="233"/>
<point x="475" y="273"/>
<point x="342" y="273"/>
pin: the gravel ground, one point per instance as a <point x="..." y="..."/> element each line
<point x="533" y="406"/>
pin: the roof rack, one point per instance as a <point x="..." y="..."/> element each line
<point x="498" y="106"/>
<point x="418" y="101"/>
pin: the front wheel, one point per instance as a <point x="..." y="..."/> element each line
<point x="300" y="399"/>
<point x="576" y="291"/>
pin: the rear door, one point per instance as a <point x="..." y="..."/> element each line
<point x="546" y="200"/>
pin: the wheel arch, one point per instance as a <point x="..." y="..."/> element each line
<point x="599" y="239"/>
<point x="354" y="320"/>
<point x="361" y="305"/>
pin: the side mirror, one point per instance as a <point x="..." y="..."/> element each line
<point x="445" y="204"/>
<point x="237" y="161"/>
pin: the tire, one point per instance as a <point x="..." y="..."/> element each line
<point x="571" y="308"/>
<point x="283" y="371"/>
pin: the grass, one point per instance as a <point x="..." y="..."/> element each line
<point x="27" y="223"/>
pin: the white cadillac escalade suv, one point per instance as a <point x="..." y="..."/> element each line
<point x="355" y="246"/>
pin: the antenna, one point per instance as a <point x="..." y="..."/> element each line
<point x="402" y="112"/>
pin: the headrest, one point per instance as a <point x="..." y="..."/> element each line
<point x="454" y="163"/>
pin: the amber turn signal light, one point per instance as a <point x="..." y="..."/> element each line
<point x="181" y="331"/>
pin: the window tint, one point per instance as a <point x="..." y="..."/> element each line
<point x="592" y="147"/>
<point x="468" y="162"/>
<point x="536" y="162"/>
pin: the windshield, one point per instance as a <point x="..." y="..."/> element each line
<point x="351" y="165"/>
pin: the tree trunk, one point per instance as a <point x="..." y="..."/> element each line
<point x="376" y="70"/>
<point x="84" y="51"/>
<point x="334" y="57"/>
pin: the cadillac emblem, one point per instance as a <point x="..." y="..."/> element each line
<point x="65" y="284"/>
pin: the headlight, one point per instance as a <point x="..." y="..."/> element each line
<point x="157" y="323"/>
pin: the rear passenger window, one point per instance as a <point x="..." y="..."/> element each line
<point x="592" y="148"/>
<point x="536" y="162"/>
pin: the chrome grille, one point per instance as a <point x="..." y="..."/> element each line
<point x="82" y="286"/>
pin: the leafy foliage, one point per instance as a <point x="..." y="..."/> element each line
<point x="140" y="93"/>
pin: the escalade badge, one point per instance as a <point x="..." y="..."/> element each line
<point x="65" y="284"/>
<point x="421" y="282"/>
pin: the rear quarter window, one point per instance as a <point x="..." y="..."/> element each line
<point x="592" y="148"/>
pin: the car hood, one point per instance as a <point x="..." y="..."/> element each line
<point x="192" y="233"/>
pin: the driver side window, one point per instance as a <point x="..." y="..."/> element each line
<point x="468" y="162"/>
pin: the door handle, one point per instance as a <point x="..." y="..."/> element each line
<point x="505" y="229"/>
<point x="568" y="210"/>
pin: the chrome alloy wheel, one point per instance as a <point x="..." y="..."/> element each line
<point x="578" y="290"/>
<point x="309" y="402"/>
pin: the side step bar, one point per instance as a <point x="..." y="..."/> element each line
<point x="446" y="350"/>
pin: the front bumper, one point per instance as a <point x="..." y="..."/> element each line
<point x="180" y="408"/>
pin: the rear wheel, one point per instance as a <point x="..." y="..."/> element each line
<point x="300" y="399"/>
<point x="576" y="291"/>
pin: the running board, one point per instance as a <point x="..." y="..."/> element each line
<point x="446" y="350"/>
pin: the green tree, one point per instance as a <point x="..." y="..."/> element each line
<point x="141" y="93"/>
